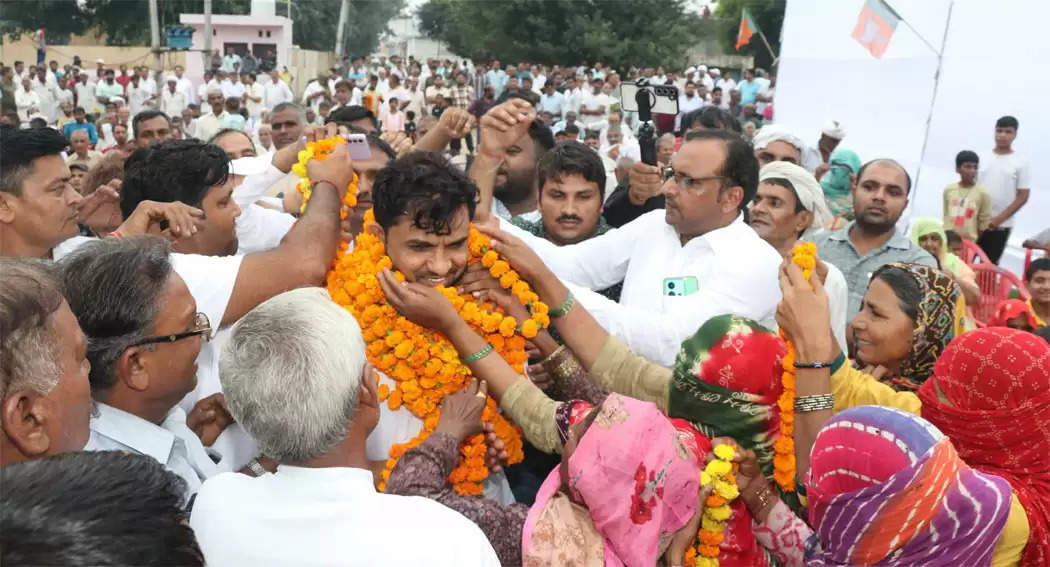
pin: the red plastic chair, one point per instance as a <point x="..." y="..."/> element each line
<point x="996" y="285"/>
<point x="972" y="254"/>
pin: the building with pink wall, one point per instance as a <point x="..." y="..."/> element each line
<point x="257" y="33"/>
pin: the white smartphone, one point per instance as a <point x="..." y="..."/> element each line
<point x="359" y="147"/>
<point x="662" y="98"/>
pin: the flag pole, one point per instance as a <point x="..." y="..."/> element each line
<point x="765" y="41"/>
<point x="936" y="83"/>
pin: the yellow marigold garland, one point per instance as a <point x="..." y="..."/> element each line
<point x="423" y="363"/>
<point x="704" y="552"/>
<point x="320" y="151"/>
<point x="804" y="256"/>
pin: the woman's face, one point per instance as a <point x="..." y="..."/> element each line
<point x="932" y="244"/>
<point x="576" y="432"/>
<point x="882" y="332"/>
<point x="1020" y="323"/>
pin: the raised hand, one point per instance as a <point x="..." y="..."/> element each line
<point x="423" y="305"/>
<point x="148" y="218"/>
<point x="644" y="183"/>
<point x="803" y="313"/>
<point x="209" y="418"/>
<point x="505" y="124"/>
<point x="456" y="122"/>
<point x="521" y="257"/>
<point x="336" y="169"/>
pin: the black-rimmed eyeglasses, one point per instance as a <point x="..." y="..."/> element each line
<point x="201" y="326"/>
<point x="685" y="182"/>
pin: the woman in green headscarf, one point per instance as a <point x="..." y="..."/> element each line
<point x="928" y="232"/>
<point x="844" y="166"/>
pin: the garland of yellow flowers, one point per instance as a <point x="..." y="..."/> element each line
<point x="423" y="363"/>
<point x="704" y="552"/>
<point x="804" y="256"/>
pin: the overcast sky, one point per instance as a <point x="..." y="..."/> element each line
<point x="697" y="5"/>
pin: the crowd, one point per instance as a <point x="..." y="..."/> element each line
<point x="501" y="338"/>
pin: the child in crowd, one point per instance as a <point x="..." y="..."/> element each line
<point x="967" y="205"/>
<point x="392" y="118"/>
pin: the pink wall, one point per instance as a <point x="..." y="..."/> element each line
<point x="238" y="29"/>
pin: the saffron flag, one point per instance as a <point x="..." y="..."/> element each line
<point x="748" y="28"/>
<point x="875" y="26"/>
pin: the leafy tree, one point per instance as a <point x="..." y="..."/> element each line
<point x="620" y="33"/>
<point x="768" y="14"/>
<point x="126" y="22"/>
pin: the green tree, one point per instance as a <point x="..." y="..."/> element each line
<point x="125" y="22"/>
<point x="768" y="14"/>
<point x="619" y="33"/>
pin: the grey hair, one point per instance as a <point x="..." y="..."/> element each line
<point x="29" y="350"/>
<point x="300" y="111"/>
<point x="291" y="374"/>
<point x="115" y="286"/>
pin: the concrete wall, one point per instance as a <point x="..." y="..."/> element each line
<point x="306" y="64"/>
<point x="89" y="49"/>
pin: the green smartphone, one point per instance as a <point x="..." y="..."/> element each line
<point x="674" y="287"/>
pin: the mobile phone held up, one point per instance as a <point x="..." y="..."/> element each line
<point x="663" y="99"/>
<point x="359" y="149"/>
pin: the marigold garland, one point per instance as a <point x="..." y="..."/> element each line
<point x="804" y="256"/>
<point x="423" y="363"/>
<point x="320" y="150"/>
<point x="704" y="552"/>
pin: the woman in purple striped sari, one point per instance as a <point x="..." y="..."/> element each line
<point x="886" y="488"/>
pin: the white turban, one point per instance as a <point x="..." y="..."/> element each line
<point x="834" y="129"/>
<point x="806" y="187"/>
<point x="777" y="133"/>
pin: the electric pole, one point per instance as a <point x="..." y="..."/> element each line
<point x="344" y="15"/>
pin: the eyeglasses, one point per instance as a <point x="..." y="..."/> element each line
<point x="201" y="326"/>
<point x="688" y="183"/>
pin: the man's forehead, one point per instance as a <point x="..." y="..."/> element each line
<point x="570" y="182"/>
<point x="699" y="158"/>
<point x="885" y="173"/>
<point x="47" y="170"/>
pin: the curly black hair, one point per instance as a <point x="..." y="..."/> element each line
<point x="425" y="187"/>
<point x="569" y="158"/>
<point x="175" y="170"/>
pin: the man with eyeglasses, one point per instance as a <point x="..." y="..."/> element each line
<point x="144" y="334"/>
<point x="679" y="266"/>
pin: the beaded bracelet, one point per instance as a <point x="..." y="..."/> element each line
<point x="817" y="402"/>
<point x="563" y="309"/>
<point x="487" y="350"/>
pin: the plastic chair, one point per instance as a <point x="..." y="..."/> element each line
<point x="972" y="254"/>
<point x="996" y="285"/>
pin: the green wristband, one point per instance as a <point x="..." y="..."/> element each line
<point x="478" y="355"/>
<point x="563" y="309"/>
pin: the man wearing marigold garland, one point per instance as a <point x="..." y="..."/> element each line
<point x="679" y="266"/>
<point x="423" y="207"/>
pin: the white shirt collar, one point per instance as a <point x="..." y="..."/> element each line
<point x="139" y="434"/>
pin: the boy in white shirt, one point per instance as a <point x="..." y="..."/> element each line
<point x="1004" y="173"/>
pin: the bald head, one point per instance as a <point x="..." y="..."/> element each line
<point x="887" y="165"/>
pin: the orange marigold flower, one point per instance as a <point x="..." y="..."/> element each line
<point x="508" y="326"/>
<point x="712" y="539"/>
<point x="508" y="279"/>
<point x="489" y="258"/>
<point x="394" y="401"/>
<point x="529" y="329"/>
<point x="404" y="349"/>
<point x="499" y="268"/>
<point x="384" y="392"/>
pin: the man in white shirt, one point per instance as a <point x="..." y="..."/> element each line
<point x="726" y="82"/>
<point x="254" y="95"/>
<point x="696" y="245"/>
<point x="85" y="94"/>
<point x="139" y="97"/>
<point x="173" y="101"/>
<point x="399" y="92"/>
<point x="788" y="205"/>
<point x="616" y="146"/>
<point x="820" y="153"/>
<point x="211" y="122"/>
<point x="202" y="89"/>
<point x="277" y="92"/>
<point x="48" y="94"/>
<point x="552" y="101"/>
<point x="318" y="441"/>
<point x="232" y="86"/>
<point x="314" y="92"/>
<point x="144" y="334"/>
<point x="148" y="82"/>
<point x="27" y="101"/>
<point x="184" y="85"/>
<point x="572" y="95"/>
<point x="1004" y="173"/>
<point x="687" y="102"/>
<point x="592" y="105"/>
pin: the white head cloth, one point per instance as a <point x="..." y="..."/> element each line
<point x="778" y="133"/>
<point x="834" y="129"/>
<point x="806" y="187"/>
